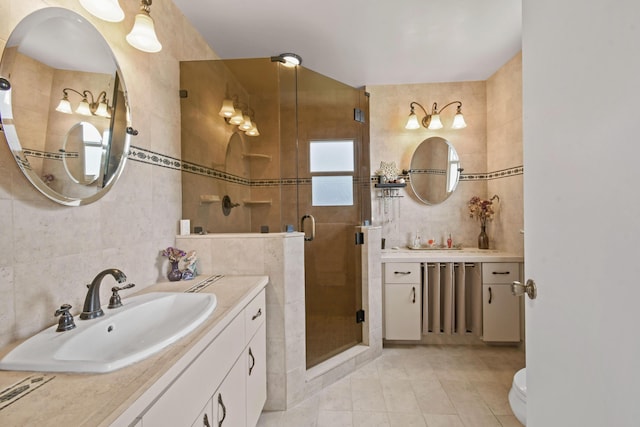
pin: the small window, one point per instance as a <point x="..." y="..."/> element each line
<point x="332" y="166"/>
<point x="332" y="191"/>
<point x="331" y="156"/>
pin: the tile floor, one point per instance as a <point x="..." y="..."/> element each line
<point x="427" y="386"/>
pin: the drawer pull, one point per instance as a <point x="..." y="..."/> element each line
<point x="490" y="295"/>
<point x="258" y="314"/>
<point x="224" y="410"/>
<point x="414" y="294"/>
<point x="252" y="361"/>
<point x="402" y="272"/>
<point x="205" y="421"/>
<point x="500" y="272"/>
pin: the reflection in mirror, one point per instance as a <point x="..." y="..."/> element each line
<point x="63" y="108"/>
<point x="83" y="153"/>
<point x="435" y="170"/>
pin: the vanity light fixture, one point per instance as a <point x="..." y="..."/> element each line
<point x="107" y="10"/>
<point x="227" y="110"/>
<point x="97" y="107"/>
<point x="288" y="59"/>
<point x="143" y="34"/>
<point x="432" y="121"/>
<point x="239" y="115"/>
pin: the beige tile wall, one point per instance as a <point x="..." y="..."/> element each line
<point x="51" y="251"/>
<point x="504" y="150"/>
<point x="492" y="141"/>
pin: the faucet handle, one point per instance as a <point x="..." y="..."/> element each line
<point x="115" y="301"/>
<point x="66" y="319"/>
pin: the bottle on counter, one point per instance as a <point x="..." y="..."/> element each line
<point x="449" y="242"/>
<point x="416" y="240"/>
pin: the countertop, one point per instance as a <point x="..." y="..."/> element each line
<point x="116" y="398"/>
<point x="448" y="255"/>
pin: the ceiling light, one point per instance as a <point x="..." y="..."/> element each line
<point x="432" y="121"/>
<point x="288" y="59"/>
<point x="143" y="34"/>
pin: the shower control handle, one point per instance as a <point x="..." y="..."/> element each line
<point x="518" y="289"/>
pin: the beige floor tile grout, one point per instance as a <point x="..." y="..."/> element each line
<point x="422" y="386"/>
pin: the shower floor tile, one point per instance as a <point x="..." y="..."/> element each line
<point x="430" y="386"/>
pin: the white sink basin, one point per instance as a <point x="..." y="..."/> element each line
<point x="144" y="325"/>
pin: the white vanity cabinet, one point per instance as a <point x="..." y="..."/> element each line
<point x="402" y="301"/>
<point x="225" y="386"/>
<point x="500" y="309"/>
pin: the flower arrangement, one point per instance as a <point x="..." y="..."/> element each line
<point x="482" y="209"/>
<point x="174" y="254"/>
<point x="389" y="171"/>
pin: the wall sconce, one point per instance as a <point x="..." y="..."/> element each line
<point x="107" y="10"/>
<point x="288" y="59"/>
<point x="143" y="34"/>
<point x="234" y="114"/>
<point x="432" y="121"/>
<point x="97" y="107"/>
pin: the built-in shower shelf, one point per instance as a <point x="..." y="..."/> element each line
<point x="209" y="198"/>
<point x="256" y="202"/>
<point x="256" y="156"/>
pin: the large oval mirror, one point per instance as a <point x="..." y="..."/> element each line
<point x="435" y="170"/>
<point x="59" y="82"/>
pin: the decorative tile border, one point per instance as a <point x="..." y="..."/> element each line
<point x="503" y="173"/>
<point x="151" y="157"/>
<point x="57" y="155"/>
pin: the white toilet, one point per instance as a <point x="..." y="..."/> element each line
<point x="518" y="396"/>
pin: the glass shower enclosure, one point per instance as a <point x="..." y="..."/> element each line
<point x="308" y="170"/>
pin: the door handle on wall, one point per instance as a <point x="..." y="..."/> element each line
<point x="518" y="289"/>
<point x="313" y="227"/>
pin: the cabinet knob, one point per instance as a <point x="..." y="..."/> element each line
<point x="518" y="289"/>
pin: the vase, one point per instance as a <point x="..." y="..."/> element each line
<point x="175" y="274"/>
<point x="483" y="239"/>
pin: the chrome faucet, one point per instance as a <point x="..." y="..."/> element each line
<point x="92" y="308"/>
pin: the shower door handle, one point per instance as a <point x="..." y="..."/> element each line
<point x="313" y="227"/>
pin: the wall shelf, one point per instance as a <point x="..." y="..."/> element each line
<point x="209" y="198"/>
<point x="257" y="156"/>
<point x="391" y="185"/>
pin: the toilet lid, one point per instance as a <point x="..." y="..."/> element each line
<point x="520" y="382"/>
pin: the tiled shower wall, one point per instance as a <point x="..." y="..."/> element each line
<point x="490" y="151"/>
<point x="51" y="251"/>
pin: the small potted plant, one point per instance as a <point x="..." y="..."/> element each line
<point x="174" y="255"/>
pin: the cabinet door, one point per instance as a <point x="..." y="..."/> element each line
<point x="205" y="419"/>
<point x="500" y="314"/>
<point x="402" y="315"/>
<point x="256" y="366"/>
<point x="229" y="404"/>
